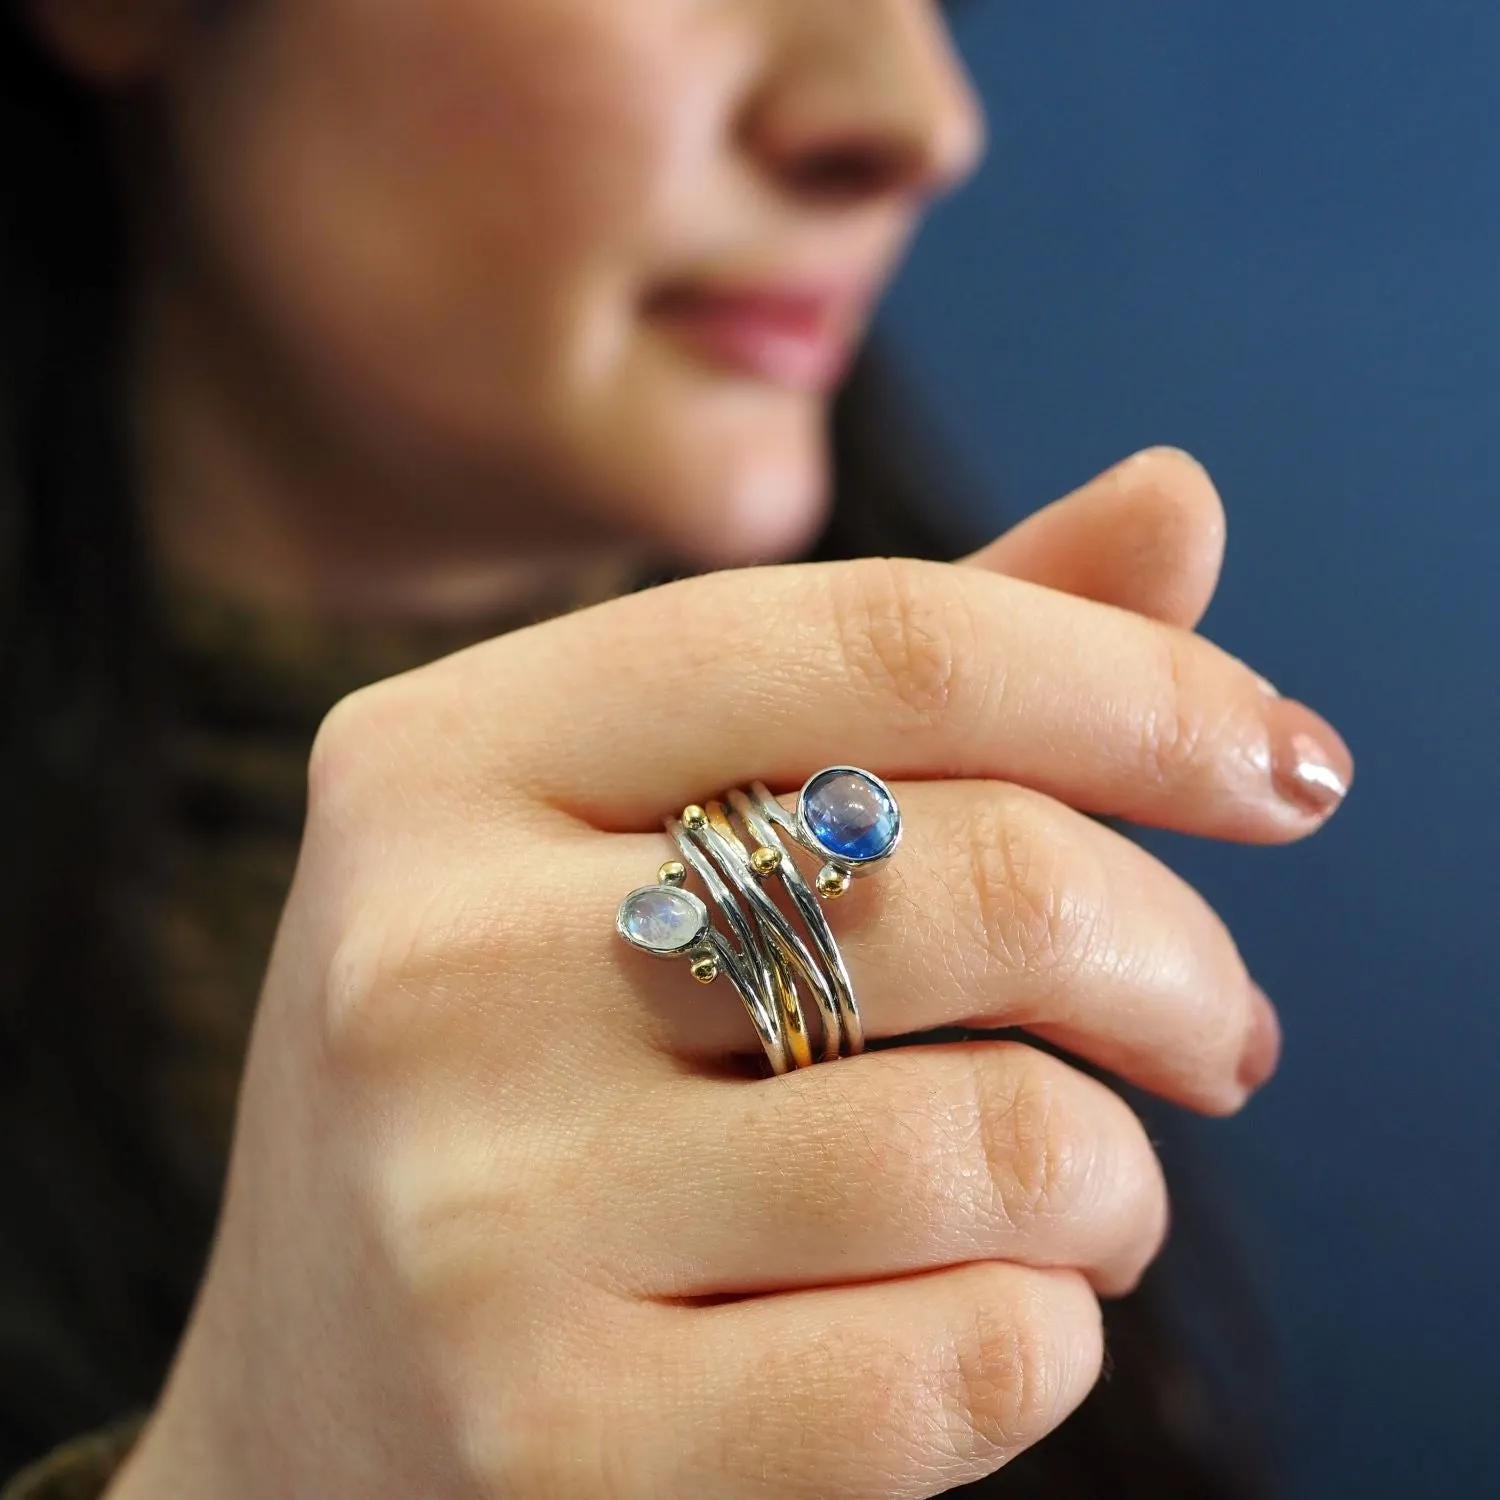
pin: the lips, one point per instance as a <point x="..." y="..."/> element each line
<point x="800" y="338"/>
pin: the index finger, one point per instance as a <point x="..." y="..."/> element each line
<point x="914" y="669"/>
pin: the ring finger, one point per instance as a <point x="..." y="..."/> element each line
<point x="1003" y="907"/>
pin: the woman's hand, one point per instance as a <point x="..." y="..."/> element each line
<point x="505" y="1219"/>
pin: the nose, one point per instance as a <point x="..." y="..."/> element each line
<point x="866" y="99"/>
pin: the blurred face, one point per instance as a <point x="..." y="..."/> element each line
<point x="566" y="263"/>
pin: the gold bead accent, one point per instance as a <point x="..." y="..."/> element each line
<point x="766" y="861"/>
<point x="706" y="969"/>
<point x="832" y="882"/>
<point x="674" y="872"/>
<point x="693" y="817"/>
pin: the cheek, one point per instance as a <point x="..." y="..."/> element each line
<point x="446" y="207"/>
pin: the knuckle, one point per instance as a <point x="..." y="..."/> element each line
<point x="1136" y="1205"/>
<point x="1037" y="907"/>
<point x="435" y="1209"/>
<point x="434" y="1204"/>
<point x="1038" y="1158"/>
<point x="904" y="632"/>
<point x="1158" y="1221"/>
<point x="1004" y="1378"/>
<point x="361" y="991"/>
<point x="403" y="746"/>
<point x="402" y="968"/>
<point x="358" y="933"/>
<point x="512" y="1448"/>
<point x="995" y="1144"/>
<point x="1177" y="732"/>
<point x="1223" y="1033"/>
<point x="1198" y="963"/>
<point x="552" y="1436"/>
<point x="399" y="977"/>
<point x="341" y="766"/>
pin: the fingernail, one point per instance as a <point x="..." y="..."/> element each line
<point x="1310" y="764"/>
<point x="1268" y="687"/>
<point x="1262" y="1043"/>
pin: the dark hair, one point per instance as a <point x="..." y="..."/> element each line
<point x="103" y="1246"/>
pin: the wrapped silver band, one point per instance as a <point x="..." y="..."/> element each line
<point x="750" y="967"/>
<point x="843" y="1032"/>
<point x="787" y="944"/>
<point x="845" y="817"/>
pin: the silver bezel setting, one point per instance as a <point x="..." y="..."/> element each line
<point x="694" y="901"/>
<point x="810" y="841"/>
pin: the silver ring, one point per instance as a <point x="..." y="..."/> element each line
<point x="843" y="1034"/>
<point x="787" y="945"/>
<point x="846" y="817"/>
<point x="667" y="921"/>
<point x="850" y="819"/>
<point x="776" y="1013"/>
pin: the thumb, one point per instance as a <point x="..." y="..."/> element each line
<point x="1147" y="536"/>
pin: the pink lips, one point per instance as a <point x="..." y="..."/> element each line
<point x="801" y="339"/>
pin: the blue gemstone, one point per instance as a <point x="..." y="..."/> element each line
<point x="850" y="815"/>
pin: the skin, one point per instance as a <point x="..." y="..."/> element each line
<point x="401" y="325"/>
<point x="507" y="1214"/>
<point x="495" y="1174"/>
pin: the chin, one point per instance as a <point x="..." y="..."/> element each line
<point x="702" y="473"/>
<point x="762" y="506"/>
<point x="737" y="475"/>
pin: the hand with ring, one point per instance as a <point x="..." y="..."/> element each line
<point x="517" y="1210"/>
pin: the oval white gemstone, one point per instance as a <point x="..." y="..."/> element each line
<point x="663" y="919"/>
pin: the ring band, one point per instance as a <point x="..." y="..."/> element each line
<point x="843" y="1034"/>
<point x="850" y="819"/>
<point x="668" y="922"/>
<point x="789" y="950"/>
<point x="847" y="818"/>
<point x="779" y="1010"/>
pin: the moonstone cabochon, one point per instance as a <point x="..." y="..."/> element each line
<point x="850" y="814"/>
<point x="662" y="919"/>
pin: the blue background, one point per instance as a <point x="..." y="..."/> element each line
<point x="1270" y="233"/>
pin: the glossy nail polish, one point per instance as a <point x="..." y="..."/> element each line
<point x="1310" y="764"/>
